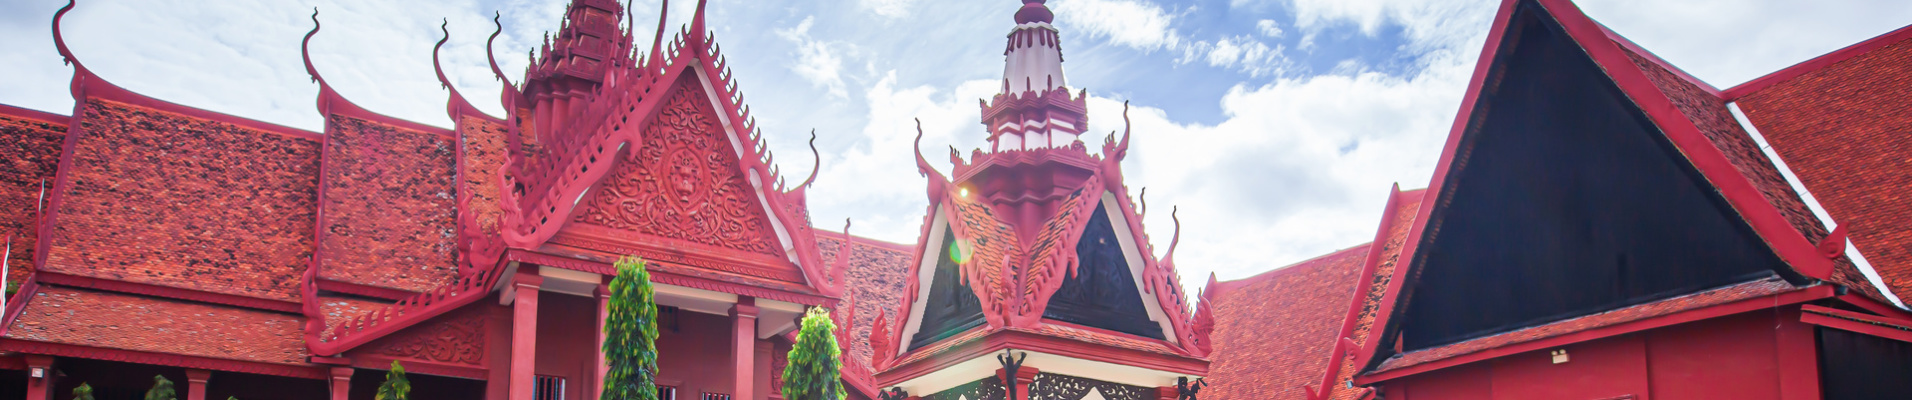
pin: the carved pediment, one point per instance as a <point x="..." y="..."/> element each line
<point x="683" y="184"/>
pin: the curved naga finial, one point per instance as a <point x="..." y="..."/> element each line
<point x="922" y="165"/>
<point x="1111" y="148"/>
<point x="818" y="166"/>
<point x="444" y="83"/>
<point x="657" y="43"/>
<point x="305" y="49"/>
<point x="59" y="41"/>
<point x="697" y="20"/>
<point x="1168" y="259"/>
<point x="489" y="57"/>
<point x="1144" y="199"/>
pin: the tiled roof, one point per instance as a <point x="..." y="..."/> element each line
<point x="390" y="206"/>
<point x="1716" y="296"/>
<point x="32" y="153"/>
<point x="991" y="244"/>
<point x="1108" y="339"/>
<point x="1407" y="208"/>
<point x="166" y="199"/>
<point x="127" y="322"/>
<point x="877" y="273"/>
<point x="1707" y="111"/>
<point x="1842" y="129"/>
<point x="484" y="143"/>
<point x="1273" y="332"/>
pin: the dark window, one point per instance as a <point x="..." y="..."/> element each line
<point x="547" y="387"/>
<point x="1565" y="200"/>
<point x="666" y="392"/>
<point x="951" y="307"/>
<point x="715" y="396"/>
<point x="667" y="319"/>
<point x="1861" y="366"/>
<point x="1102" y="292"/>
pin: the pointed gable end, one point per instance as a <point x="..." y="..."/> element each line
<point x="1574" y="184"/>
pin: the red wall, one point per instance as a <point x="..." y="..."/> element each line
<point x="1731" y="357"/>
<point x="567" y="340"/>
<point x="696" y="357"/>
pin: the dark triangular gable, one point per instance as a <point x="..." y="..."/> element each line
<point x="1563" y="198"/>
<point x="951" y="307"/>
<point x="1102" y="293"/>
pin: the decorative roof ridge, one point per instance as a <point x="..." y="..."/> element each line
<point x="332" y="103"/>
<point x="1817" y="63"/>
<point x="1345" y="345"/>
<point x="395" y="317"/>
<point x="456" y="106"/>
<point x="1629" y="45"/>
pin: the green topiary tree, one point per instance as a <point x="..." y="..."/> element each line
<point x="815" y="368"/>
<point x="84" y="392"/>
<point x="630" y="335"/>
<point x="395" y="386"/>
<point x="162" y="389"/>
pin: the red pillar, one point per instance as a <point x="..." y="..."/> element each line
<point x="603" y="365"/>
<point x="1024" y="376"/>
<point x="39" y="387"/>
<point x="524" y="332"/>
<point x="341" y="383"/>
<point x="196" y="383"/>
<point x="743" y="336"/>
<point x="1798" y="357"/>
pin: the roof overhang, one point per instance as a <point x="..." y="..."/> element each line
<point x="976" y="359"/>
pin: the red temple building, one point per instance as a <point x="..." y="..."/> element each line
<point x="1600" y="226"/>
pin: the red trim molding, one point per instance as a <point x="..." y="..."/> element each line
<point x="170" y="360"/>
<point x="364" y="290"/>
<point x="33" y="114"/>
<point x="1889" y="328"/>
<point x="1007" y="339"/>
<point x="413" y="366"/>
<point x="86" y="282"/>
<point x="667" y="278"/>
<point x="1817" y="63"/>
<point x="1752" y="304"/>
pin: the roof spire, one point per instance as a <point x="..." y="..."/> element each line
<point x="1034" y="11"/>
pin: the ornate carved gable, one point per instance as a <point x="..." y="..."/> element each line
<point x="1102" y="293"/>
<point x="684" y="184"/>
<point x="456" y="338"/>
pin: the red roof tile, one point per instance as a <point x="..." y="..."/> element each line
<point x="485" y="144"/>
<point x="390" y="206"/>
<point x="877" y="273"/>
<point x="991" y="244"/>
<point x="1273" y="332"/>
<point x="126" y="322"/>
<point x="32" y="149"/>
<point x="166" y="199"/>
<point x="1707" y="111"/>
<point x="1109" y="339"/>
<point x="1717" y="296"/>
<point x="1842" y="130"/>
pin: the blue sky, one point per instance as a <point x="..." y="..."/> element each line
<point x="1276" y="126"/>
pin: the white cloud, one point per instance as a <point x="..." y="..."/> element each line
<point x="1269" y="28"/>
<point x="892" y="9"/>
<point x="1124" y="22"/>
<point x="817" y="61"/>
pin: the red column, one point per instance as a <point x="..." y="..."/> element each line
<point x="603" y="365"/>
<point x="341" y="383"/>
<point x="1798" y="357"/>
<point x="1024" y="376"/>
<point x="524" y="332"/>
<point x="39" y="387"/>
<point x="196" y="383"/>
<point x="743" y="336"/>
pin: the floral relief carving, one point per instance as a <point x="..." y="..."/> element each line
<point x="684" y="184"/>
<point x="459" y="339"/>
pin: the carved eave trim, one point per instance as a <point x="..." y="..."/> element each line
<point x="614" y="242"/>
<point x="1168" y="366"/>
